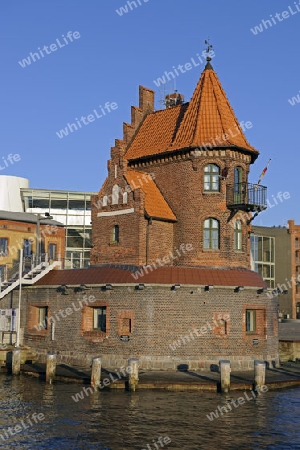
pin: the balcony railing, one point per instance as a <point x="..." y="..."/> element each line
<point x="246" y="197"/>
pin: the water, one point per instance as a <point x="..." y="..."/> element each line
<point x="121" y="420"/>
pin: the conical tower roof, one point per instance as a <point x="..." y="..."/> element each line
<point x="207" y="121"/>
<point x="210" y="119"/>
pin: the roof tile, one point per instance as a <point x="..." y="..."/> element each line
<point x="208" y="119"/>
<point x="162" y="275"/>
<point x="155" y="204"/>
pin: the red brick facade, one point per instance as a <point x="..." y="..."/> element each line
<point x="185" y="294"/>
<point x="179" y="177"/>
<point x="168" y="327"/>
<point x="294" y="231"/>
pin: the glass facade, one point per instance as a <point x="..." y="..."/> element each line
<point x="263" y="258"/>
<point x="73" y="209"/>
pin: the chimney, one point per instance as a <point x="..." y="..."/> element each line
<point x="174" y="100"/>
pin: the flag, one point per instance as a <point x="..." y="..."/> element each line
<point x="263" y="172"/>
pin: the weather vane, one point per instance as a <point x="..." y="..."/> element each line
<point x="208" y="49"/>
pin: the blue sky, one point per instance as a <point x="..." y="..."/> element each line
<point x="114" y="54"/>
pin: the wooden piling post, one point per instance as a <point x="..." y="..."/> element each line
<point x="259" y="373"/>
<point x="16" y="362"/>
<point x="133" y="370"/>
<point x="96" y="372"/>
<point x="225" y="375"/>
<point x="50" y="367"/>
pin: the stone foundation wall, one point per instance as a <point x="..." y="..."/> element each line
<point x="114" y="362"/>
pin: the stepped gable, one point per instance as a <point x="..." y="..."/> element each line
<point x="155" y="204"/>
<point x="202" y="276"/>
<point x="207" y="120"/>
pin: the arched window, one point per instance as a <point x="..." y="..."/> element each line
<point x="125" y="197"/>
<point x="238" y="186"/>
<point x="211" y="228"/>
<point x="238" y="235"/>
<point x="115" y="195"/>
<point x="115" y="234"/>
<point x="104" y="203"/>
<point x="211" y="178"/>
<point x="238" y="175"/>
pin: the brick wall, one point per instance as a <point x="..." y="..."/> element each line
<point x="180" y="178"/>
<point x="294" y="231"/>
<point x="168" y="327"/>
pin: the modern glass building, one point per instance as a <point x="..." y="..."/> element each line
<point x="263" y="257"/>
<point x="73" y="209"/>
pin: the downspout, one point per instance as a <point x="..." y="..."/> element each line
<point x="148" y="238"/>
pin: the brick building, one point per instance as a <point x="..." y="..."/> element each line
<point x="26" y="231"/>
<point x="170" y="281"/>
<point x="179" y="176"/>
<point x="294" y="231"/>
<point x="276" y="257"/>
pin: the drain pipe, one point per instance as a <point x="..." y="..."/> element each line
<point x="148" y="238"/>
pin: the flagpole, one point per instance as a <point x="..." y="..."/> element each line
<point x="263" y="172"/>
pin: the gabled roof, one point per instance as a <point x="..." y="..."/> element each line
<point x="207" y="119"/>
<point x="155" y="204"/>
<point x="156" y="133"/>
<point x="203" y="276"/>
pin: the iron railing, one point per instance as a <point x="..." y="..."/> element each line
<point x="29" y="263"/>
<point x="246" y="196"/>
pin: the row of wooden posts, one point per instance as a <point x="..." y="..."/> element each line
<point x="133" y="372"/>
<point x="225" y="370"/>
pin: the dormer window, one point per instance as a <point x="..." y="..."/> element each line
<point x="211" y="178"/>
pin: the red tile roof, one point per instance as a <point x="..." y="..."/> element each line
<point x="155" y="204"/>
<point x="207" y="117"/>
<point x="162" y="275"/>
<point x="156" y="132"/>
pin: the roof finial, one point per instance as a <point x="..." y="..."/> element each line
<point x="208" y="53"/>
<point x="208" y="49"/>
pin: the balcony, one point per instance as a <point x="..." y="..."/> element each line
<point x="246" y="197"/>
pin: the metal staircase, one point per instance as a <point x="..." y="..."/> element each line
<point x="33" y="269"/>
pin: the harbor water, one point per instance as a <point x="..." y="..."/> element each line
<point x="36" y="416"/>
